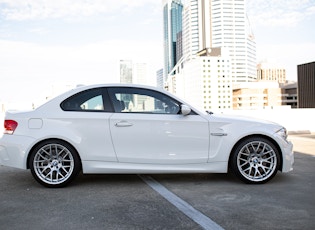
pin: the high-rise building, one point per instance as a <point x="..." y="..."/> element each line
<point x="172" y="26"/>
<point x="196" y="27"/>
<point x="125" y="71"/>
<point x="159" y="79"/>
<point x="231" y="29"/>
<point x="140" y="73"/>
<point x="221" y="23"/>
<point x="133" y="72"/>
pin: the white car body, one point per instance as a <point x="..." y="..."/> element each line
<point x="118" y="142"/>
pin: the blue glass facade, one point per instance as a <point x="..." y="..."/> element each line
<point x="172" y="13"/>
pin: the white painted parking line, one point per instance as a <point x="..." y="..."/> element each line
<point x="201" y="219"/>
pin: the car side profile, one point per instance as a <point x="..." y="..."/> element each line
<point x="119" y="128"/>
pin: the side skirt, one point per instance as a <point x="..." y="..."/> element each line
<point x="96" y="167"/>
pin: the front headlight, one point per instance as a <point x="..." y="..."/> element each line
<point x="283" y="133"/>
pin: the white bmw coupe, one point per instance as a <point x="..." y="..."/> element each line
<point x="113" y="128"/>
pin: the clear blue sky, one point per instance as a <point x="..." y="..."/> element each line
<point x="51" y="42"/>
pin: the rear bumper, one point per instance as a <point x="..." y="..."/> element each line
<point x="14" y="150"/>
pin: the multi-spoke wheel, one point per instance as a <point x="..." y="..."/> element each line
<point x="255" y="160"/>
<point x="54" y="163"/>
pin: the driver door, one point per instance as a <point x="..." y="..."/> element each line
<point x="147" y="127"/>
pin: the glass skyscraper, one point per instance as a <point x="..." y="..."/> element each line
<point x="172" y="19"/>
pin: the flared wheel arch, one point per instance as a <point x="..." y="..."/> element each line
<point x="50" y="139"/>
<point x="256" y="136"/>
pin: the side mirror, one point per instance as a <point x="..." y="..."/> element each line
<point x="185" y="109"/>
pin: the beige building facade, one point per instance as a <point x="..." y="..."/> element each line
<point x="271" y="72"/>
<point x="256" y="95"/>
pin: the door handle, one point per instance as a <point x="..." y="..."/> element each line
<point x="123" y="124"/>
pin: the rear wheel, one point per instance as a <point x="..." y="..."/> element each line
<point x="54" y="163"/>
<point x="255" y="160"/>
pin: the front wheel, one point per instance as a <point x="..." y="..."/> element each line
<point x="255" y="160"/>
<point x="54" y="163"/>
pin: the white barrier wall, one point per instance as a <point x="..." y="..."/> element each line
<point x="295" y="120"/>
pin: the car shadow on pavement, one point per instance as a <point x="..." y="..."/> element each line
<point x="95" y="179"/>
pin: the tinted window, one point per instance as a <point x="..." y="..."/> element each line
<point x="89" y="100"/>
<point x="135" y="100"/>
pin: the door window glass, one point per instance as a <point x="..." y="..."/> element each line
<point x="135" y="100"/>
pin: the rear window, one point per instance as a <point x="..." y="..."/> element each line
<point x="89" y="100"/>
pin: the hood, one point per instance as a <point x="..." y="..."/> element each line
<point x="243" y="121"/>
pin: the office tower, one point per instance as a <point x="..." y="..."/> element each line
<point x="140" y="73"/>
<point x="221" y="23"/>
<point x="159" y="79"/>
<point x="133" y="72"/>
<point x="231" y="29"/>
<point x="172" y="26"/>
<point x="196" y="27"/>
<point x="125" y="71"/>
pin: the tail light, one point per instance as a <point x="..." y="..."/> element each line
<point x="10" y="126"/>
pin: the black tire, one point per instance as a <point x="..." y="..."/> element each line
<point x="255" y="160"/>
<point x="54" y="163"/>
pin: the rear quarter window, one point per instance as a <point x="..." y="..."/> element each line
<point x="89" y="100"/>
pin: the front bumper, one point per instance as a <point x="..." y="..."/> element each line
<point x="14" y="150"/>
<point x="287" y="157"/>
